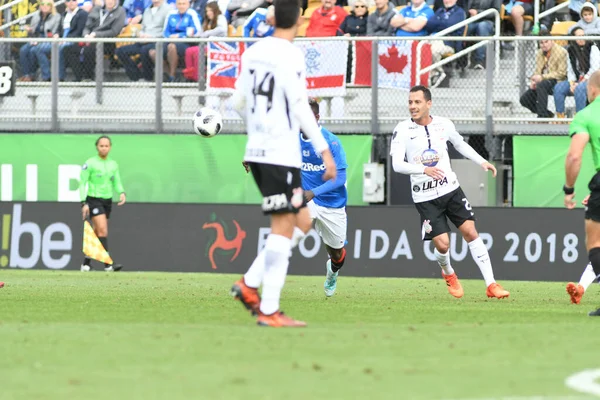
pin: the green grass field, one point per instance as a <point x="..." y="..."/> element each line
<point x="68" y="335"/>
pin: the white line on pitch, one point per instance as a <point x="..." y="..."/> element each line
<point x="585" y="382"/>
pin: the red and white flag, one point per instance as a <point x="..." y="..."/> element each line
<point x="397" y="64"/>
<point x="325" y="67"/>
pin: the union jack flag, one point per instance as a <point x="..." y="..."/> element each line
<point x="224" y="62"/>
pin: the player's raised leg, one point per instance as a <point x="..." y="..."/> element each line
<point x="481" y="257"/>
<point x="442" y="254"/>
<point x="577" y="290"/>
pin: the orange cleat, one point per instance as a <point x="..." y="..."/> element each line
<point x="495" y="290"/>
<point x="576" y="292"/>
<point x="247" y="295"/>
<point x="454" y="286"/>
<point x="1" y="285"/>
<point x="279" y="320"/>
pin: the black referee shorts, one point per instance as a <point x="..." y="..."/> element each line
<point x="592" y="210"/>
<point x="99" y="206"/>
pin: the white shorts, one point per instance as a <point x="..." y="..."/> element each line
<point x="330" y="224"/>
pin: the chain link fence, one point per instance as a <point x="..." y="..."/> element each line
<point x="362" y="84"/>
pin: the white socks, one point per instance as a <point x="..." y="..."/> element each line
<point x="588" y="276"/>
<point x="444" y="261"/>
<point x="482" y="259"/>
<point x="277" y="258"/>
<point x="297" y="236"/>
<point x="254" y="277"/>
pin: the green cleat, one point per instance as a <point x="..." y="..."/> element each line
<point x="330" y="281"/>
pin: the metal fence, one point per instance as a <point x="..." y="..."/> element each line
<point x="480" y="101"/>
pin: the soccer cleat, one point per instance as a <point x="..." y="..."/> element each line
<point x="279" y="320"/>
<point x="85" y="268"/>
<point x="330" y="280"/>
<point x="495" y="290"/>
<point x="454" y="286"/>
<point x="247" y="295"/>
<point x="113" y="268"/>
<point x="595" y="313"/>
<point x="1" y="285"/>
<point x="576" y="292"/>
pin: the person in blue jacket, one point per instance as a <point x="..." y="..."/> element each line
<point x="181" y="22"/>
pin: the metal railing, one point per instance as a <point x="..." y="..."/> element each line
<point x="483" y="102"/>
<point x="453" y="28"/>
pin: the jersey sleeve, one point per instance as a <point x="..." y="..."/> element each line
<point x="337" y="151"/>
<point x="117" y="183"/>
<point x="461" y="146"/>
<point x="578" y="125"/>
<point x="84" y="178"/>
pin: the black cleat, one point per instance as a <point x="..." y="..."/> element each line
<point x="113" y="268"/>
<point x="594" y="313"/>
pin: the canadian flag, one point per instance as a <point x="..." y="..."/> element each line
<point x="397" y="63"/>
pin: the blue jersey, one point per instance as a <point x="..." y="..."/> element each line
<point x="313" y="170"/>
<point x="425" y="12"/>
<point x="256" y="25"/>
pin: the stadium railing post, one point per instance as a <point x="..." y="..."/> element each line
<point x="202" y="71"/>
<point x="99" y="71"/>
<point x="489" y="100"/>
<point x="158" y="77"/>
<point x="54" y="91"/>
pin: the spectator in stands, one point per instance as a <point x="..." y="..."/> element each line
<point x="583" y="60"/>
<point x="326" y="20"/>
<point x="240" y="10"/>
<point x="378" y="23"/>
<point x="73" y="23"/>
<point x="355" y="24"/>
<point x="482" y="27"/>
<point x="182" y="22"/>
<point x="200" y="7"/>
<point x="589" y="22"/>
<point x="44" y="23"/>
<point x="550" y="68"/>
<point x="575" y="7"/>
<point x="411" y="21"/>
<point x="153" y="21"/>
<point x="215" y="25"/>
<point x="134" y="9"/>
<point x="437" y="4"/>
<point x="444" y="18"/>
<point x="103" y="22"/>
<point x="261" y="23"/>
<point x="516" y="10"/>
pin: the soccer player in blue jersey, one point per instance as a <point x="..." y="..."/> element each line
<point x="326" y="201"/>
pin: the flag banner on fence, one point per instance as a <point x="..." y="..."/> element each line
<point x="397" y="64"/>
<point x="325" y="66"/>
<point x="224" y="62"/>
<point x="92" y="246"/>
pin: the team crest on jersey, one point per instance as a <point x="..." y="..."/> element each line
<point x="306" y="153"/>
<point x="430" y="158"/>
<point x="297" y="197"/>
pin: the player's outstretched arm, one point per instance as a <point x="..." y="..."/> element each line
<point x="398" y="153"/>
<point x="330" y="185"/>
<point x="467" y="151"/>
<point x="573" y="166"/>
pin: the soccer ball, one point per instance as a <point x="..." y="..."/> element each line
<point x="207" y="122"/>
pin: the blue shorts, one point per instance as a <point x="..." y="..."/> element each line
<point x="528" y="7"/>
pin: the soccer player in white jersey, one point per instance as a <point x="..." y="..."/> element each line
<point x="419" y="149"/>
<point x="272" y="98"/>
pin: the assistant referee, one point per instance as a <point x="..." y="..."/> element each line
<point x="99" y="177"/>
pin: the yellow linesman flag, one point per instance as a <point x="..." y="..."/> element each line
<point x="92" y="246"/>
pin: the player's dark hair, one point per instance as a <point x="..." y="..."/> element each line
<point x="287" y="13"/>
<point x="314" y="105"/>
<point x="421" y="88"/>
<point x="103" y="137"/>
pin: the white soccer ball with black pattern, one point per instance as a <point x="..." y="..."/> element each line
<point x="207" y="122"/>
